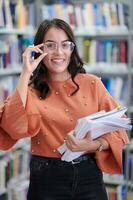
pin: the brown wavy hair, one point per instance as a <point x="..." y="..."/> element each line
<point x="40" y="74"/>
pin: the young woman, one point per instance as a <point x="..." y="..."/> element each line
<point x="53" y="92"/>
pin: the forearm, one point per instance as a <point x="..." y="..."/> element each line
<point x="22" y="86"/>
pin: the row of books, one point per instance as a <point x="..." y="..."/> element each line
<point x="13" y="167"/>
<point x="16" y="14"/>
<point x="117" y="87"/>
<point x="110" y="51"/>
<point x="94" y="51"/>
<point x="11" y="49"/>
<point x="87" y="15"/>
<point x="116" y="192"/>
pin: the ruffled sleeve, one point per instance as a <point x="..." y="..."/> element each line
<point x="16" y="121"/>
<point x="6" y="142"/>
<point x="110" y="161"/>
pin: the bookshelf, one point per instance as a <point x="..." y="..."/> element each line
<point x="119" y="74"/>
<point x="16" y="32"/>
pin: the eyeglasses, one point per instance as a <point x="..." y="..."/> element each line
<point x="65" y="46"/>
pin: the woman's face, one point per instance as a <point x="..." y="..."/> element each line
<point x="57" y="45"/>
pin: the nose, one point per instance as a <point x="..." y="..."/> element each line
<point x="59" y="49"/>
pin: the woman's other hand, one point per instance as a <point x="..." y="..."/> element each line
<point x="86" y="144"/>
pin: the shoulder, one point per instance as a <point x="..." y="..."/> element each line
<point x="87" y="78"/>
<point x="32" y="91"/>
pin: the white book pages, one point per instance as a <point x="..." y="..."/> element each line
<point x="97" y="124"/>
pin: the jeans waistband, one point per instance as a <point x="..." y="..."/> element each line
<point x="58" y="160"/>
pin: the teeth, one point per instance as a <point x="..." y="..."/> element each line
<point x="58" y="60"/>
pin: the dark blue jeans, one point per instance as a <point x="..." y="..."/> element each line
<point x="51" y="180"/>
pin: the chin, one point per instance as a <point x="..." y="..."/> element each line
<point x="58" y="70"/>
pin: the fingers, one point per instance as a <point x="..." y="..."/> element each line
<point x="29" y="62"/>
<point x="39" y="45"/>
<point x="41" y="57"/>
<point x="68" y="145"/>
<point x="88" y="136"/>
<point x="71" y="138"/>
<point x="33" y="48"/>
<point x="72" y="146"/>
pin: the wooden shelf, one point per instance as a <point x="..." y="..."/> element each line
<point x="13" y="71"/>
<point x="96" y="32"/>
<point x="107" y="69"/>
<point x="115" y="179"/>
<point x="24" y="31"/>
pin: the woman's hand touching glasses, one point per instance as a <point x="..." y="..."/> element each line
<point x="30" y="64"/>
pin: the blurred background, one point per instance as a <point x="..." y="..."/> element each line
<point x="104" y="35"/>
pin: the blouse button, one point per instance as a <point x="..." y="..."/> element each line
<point x="71" y="120"/>
<point x="57" y="93"/>
<point x="38" y="142"/>
<point x="66" y="110"/>
<point x="32" y="151"/>
<point x="93" y="82"/>
<point x="54" y="150"/>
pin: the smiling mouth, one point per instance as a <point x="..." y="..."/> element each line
<point x="58" y="61"/>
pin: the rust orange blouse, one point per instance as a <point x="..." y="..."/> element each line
<point x="48" y="121"/>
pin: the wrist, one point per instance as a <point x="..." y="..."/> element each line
<point x="96" y="145"/>
<point x="26" y="73"/>
<point x="100" y="145"/>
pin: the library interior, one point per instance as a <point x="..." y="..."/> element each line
<point x="104" y="37"/>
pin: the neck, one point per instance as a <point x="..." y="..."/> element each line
<point x="59" y="77"/>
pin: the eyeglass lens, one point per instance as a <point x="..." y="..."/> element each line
<point x="52" y="46"/>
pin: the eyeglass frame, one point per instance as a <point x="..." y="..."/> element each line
<point x="71" y="48"/>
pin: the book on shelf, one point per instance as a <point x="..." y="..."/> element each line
<point x="19" y="190"/>
<point x="114" y="14"/>
<point x="3" y="196"/>
<point x="130" y="195"/>
<point x="1" y="14"/>
<point x="117" y="87"/>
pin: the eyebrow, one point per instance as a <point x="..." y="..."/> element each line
<point x="55" y="42"/>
